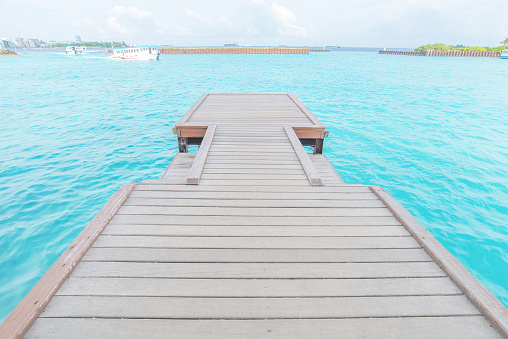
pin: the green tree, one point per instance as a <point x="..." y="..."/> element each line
<point x="504" y="42"/>
<point x="435" y="47"/>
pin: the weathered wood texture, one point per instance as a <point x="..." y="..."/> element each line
<point x="212" y="270"/>
<point x="179" y="169"/>
<point x="308" y="166"/>
<point x="196" y="170"/>
<point x="464" y="327"/>
<point x="255" y="250"/>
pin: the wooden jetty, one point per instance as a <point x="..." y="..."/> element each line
<point x="254" y="237"/>
<point x="478" y="54"/>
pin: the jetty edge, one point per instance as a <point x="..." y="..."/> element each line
<point x="253" y="236"/>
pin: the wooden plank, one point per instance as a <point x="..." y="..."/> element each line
<point x="253" y="188"/>
<point x="233" y="170"/>
<point x="254" y="120"/>
<point x="171" y="163"/>
<point x="258" y="135"/>
<point x="323" y="197"/>
<point x="259" y="270"/>
<point x="257" y="308"/>
<point x="248" y="150"/>
<point x="265" y="182"/>
<point x="259" y="288"/>
<point x="141" y="219"/>
<point x="310" y="132"/>
<point x="20" y="319"/>
<point x="234" y="166"/>
<point x="308" y="167"/>
<point x="240" y="142"/>
<point x="250" y="176"/>
<point x="281" y="156"/>
<point x="258" y="212"/>
<point x="197" y="202"/>
<point x="256" y="231"/>
<point x="480" y="296"/>
<point x="133" y="254"/>
<point x="463" y="327"/>
<point x="199" y="162"/>
<point x="252" y="162"/>
<point x="324" y="167"/>
<point x="190" y="131"/>
<point x="255" y="242"/>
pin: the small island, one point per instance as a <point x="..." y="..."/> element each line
<point x="5" y="51"/>
<point x="446" y="48"/>
<point x="441" y="49"/>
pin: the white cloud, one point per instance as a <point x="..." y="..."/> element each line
<point x="131" y="11"/>
<point x="272" y="19"/>
<point x="286" y="20"/>
<point x="198" y="17"/>
<point x="88" y="25"/>
<point x="134" y="23"/>
<point x="225" y="21"/>
<point x="113" y="23"/>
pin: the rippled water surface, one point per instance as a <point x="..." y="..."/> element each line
<point x="432" y="131"/>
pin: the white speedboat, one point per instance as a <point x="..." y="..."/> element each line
<point x="71" y="50"/>
<point x="504" y="54"/>
<point x="136" y="53"/>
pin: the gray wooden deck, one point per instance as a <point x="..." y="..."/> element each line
<point x="264" y="241"/>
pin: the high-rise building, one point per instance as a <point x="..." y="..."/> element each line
<point x="78" y="38"/>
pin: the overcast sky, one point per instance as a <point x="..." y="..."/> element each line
<point x="365" y="23"/>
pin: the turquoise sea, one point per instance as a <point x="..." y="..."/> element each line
<point x="432" y="131"/>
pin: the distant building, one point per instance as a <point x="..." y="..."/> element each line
<point x="4" y="43"/>
<point x="33" y="43"/>
<point x="20" y="42"/>
<point x="77" y="38"/>
<point x="48" y="44"/>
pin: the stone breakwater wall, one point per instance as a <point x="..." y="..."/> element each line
<point x="490" y="54"/>
<point x="235" y="50"/>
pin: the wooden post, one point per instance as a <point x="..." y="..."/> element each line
<point x="183" y="145"/>
<point x="318" y="146"/>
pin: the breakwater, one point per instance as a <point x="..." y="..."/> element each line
<point x="235" y="50"/>
<point x="490" y="54"/>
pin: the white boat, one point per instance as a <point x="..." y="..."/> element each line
<point x="81" y="49"/>
<point x="71" y="50"/>
<point x="136" y="53"/>
<point x="504" y="54"/>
